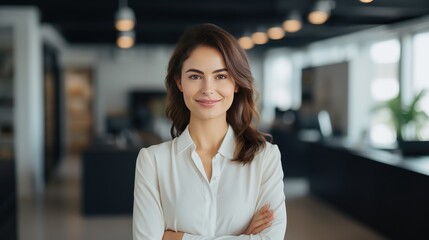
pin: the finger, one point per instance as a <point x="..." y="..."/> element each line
<point x="261" y="216"/>
<point x="257" y="223"/>
<point x="264" y="219"/>
<point x="262" y="227"/>
<point x="258" y="218"/>
<point x="264" y="208"/>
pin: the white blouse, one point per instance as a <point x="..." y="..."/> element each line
<point x="172" y="192"/>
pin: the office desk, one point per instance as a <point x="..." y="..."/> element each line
<point x="108" y="180"/>
<point x="386" y="191"/>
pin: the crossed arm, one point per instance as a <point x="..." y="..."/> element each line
<point x="260" y="221"/>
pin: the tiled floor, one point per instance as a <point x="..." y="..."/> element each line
<point x="57" y="215"/>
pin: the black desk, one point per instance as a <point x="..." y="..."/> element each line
<point x="108" y="180"/>
<point x="386" y="191"/>
<point x="8" y="200"/>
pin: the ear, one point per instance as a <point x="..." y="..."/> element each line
<point x="236" y="89"/>
<point x="179" y="84"/>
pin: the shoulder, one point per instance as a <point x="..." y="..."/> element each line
<point x="164" y="147"/>
<point x="269" y="150"/>
<point x="268" y="156"/>
<point x="154" y="152"/>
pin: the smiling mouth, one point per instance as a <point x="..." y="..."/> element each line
<point x="207" y="103"/>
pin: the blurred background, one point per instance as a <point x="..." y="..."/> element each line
<point x="342" y="89"/>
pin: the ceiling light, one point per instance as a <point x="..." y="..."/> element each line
<point x="366" y="1"/>
<point x="259" y="37"/>
<point x="246" y="42"/>
<point x="125" y="18"/>
<point x="321" y="11"/>
<point x="276" y="33"/>
<point x="126" y="39"/>
<point x="293" y="22"/>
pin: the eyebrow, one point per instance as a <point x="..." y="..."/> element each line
<point x="201" y="72"/>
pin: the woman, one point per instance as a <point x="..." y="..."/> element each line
<point x="218" y="178"/>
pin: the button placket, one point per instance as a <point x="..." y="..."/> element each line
<point x="216" y="174"/>
<point x="212" y="188"/>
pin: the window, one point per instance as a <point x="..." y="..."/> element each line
<point x="384" y="87"/>
<point x="277" y="85"/>
<point x="420" y="73"/>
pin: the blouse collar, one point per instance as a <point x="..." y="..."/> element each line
<point x="226" y="149"/>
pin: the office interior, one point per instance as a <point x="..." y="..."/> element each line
<point x="348" y="109"/>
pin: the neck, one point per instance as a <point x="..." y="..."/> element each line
<point x="208" y="135"/>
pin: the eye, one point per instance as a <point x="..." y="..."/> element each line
<point x="222" y="76"/>
<point x="194" y="77"/>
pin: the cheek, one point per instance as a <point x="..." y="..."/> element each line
<point x="229" y="97"/>
<point x="229" y="90"/>
<point x="188" y="90"/>
<point x="188" y="94"/>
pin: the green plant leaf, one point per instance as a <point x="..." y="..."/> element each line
<point x="401" y="115"/>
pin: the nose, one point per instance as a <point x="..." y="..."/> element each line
<point x="208" y="87"/>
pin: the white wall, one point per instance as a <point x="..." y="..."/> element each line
<point x="28" y="98"/>
<point x="116" y="76"/>
<point x="278" y="75"/>
<point x="256" y="63"/>
<point x="116" y="72"/>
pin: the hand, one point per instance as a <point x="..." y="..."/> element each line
<point x="260" y="221"/>
<point x="171" y="235"/>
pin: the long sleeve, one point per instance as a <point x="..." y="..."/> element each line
<point x="148" y="219"/>
<point x="241" y="237"/>
<point x="272" y="193"/>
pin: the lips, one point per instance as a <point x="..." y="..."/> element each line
<point x="207" y="102"/>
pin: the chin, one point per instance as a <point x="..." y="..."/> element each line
<point x="210" y="116"/>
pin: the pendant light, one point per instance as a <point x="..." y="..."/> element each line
<point x="276" y="33"/>
<point x="125" y="18"/>
<point x="293" y="22"/>
<point x="321" y="12"/>
<point x="126" y="39"/>
<point x="260" y="36"/>
<point x="246" y="41"/>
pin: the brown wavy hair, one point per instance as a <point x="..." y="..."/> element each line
<point x="243" y="114"/>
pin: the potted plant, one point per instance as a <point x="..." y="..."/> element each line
<point x="407" y="120"/>
<point x="409" y="116"/>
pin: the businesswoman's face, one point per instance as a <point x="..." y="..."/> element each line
<point x="208" y="89"/>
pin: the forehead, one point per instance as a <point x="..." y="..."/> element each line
<point x="204" y="58"/>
